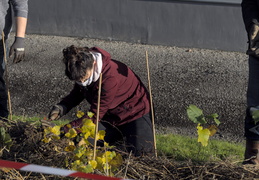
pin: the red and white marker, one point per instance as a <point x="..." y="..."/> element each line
<point x="53" y="171"/>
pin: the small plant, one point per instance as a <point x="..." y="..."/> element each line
<point x="81" y="149"/>
<point x="5" y="140"/>
<point x="204" y="128"/>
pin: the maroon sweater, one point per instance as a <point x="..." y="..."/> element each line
<point x="124" y="98"/>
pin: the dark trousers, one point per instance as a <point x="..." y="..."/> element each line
<point x="135" y="137"/>
<point x="3" y="94"/>
<point x="252" y="97"/>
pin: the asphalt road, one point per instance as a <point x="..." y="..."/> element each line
<point x="215" y="81"/>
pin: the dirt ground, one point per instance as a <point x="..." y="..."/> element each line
<point x="215" y="81"/>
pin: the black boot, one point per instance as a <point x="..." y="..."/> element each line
<point x="252" y="152"/>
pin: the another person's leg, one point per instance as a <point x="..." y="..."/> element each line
<point x="252" y="129"/>
<point x="3" y="94"/>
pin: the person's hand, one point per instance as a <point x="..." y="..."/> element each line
<point x="46" y="123"/>
<point x="17" y="50"/>
<point x="254" y="53"/>
<point x="254" y="41"/>
<point x="56" y="112"/>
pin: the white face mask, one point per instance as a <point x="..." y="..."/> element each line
<point x="87" y="82"/>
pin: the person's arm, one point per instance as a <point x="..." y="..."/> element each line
<point x="250" y="12"/>
<point x="20" y="8"/>
<point x="21" y="23"/>
<point x="74" y="98"/>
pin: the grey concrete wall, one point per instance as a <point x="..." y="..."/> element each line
<point x="160" y="22"/>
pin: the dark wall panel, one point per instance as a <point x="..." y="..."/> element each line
<point x="165" y="22"/>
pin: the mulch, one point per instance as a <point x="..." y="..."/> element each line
<point x="28" y="148"/>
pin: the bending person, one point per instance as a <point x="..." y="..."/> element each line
<point x="124" y="104"/>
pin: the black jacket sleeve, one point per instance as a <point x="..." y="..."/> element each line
<point x="74" y="98"/>
<point x="250" y="12"/>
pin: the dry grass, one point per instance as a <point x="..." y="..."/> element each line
<point x="28" y="148"/>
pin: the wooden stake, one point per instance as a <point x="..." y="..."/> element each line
<point x="7" y="79"/>
<point x="97" y="115"/>
<point x="151" y="104"/>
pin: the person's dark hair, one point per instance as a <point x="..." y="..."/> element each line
<point x="77" y="60"/>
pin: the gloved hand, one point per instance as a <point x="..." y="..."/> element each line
<point x="254" y="41"/>
<point x="57" y="111"/>
<point x="17" y="49"/>
<point x="46" y="123"/>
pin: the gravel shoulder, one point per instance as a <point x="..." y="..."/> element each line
<point x="213" y="80"/>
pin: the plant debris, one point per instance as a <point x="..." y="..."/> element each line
<point x="28" y="148"/>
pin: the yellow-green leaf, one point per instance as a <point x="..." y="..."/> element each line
<point x="87" y="169"/>
<point x="86" y="135"/>
<point x="68" y="126"/>
<point x="81" y="142"/>
<point x="55" y="130"/>
<point x="106" y="166"/>
<point x="195" y="114"/>
<point x="80" y="114"/>
<point x="55" y="137"/>
<point x="47" y="130"/>
<point x="70" y="148"/>
<point x="5" y="138"/>
<point x="46" y="140"/>
<point x="89" y="153"/>
<point x="86" y="131"/>
<point x="203" y="135"/>
<point x="88" y="127"/>
<point x="93" y="163"/>
<point x="99" y="163"/>
<point x="76" y="164"/>
<point x="109" y="155"/>
<point x="116" y="162"/>
<point x="71" y="133"/>
<point x="101" y="135"/>
<point x="90" y="114"/>
<point x="80" y="151"/>
<point x="88" y="123"/>
<point x="71" y="143"/>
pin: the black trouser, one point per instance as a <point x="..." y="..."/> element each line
<point x="250" y="123"/>
<point x="252" y="97"/>
<point x="3" y="94"/>
<point x="136" y="136"/>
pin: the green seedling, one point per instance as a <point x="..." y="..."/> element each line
<point x="205" y="129"/>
